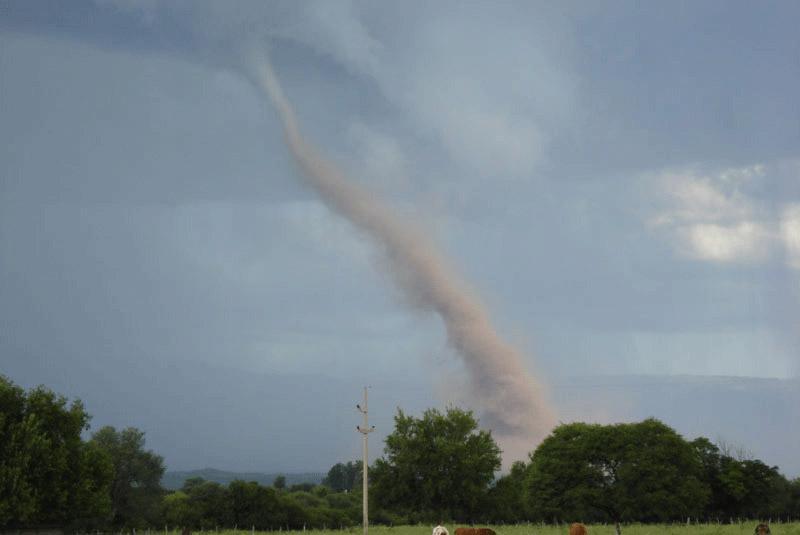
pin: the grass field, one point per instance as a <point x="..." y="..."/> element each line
<point x="745" y="528"/>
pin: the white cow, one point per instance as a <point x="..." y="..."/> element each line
<point x="440" y="530"/>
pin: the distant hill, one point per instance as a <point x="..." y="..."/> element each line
<point x="174" y="480"/>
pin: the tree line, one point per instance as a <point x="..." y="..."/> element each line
<point x="439" y="466"/>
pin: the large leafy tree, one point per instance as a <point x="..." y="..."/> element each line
<point x="794" y="498"/>
<point x="343" y="476"/>
<point x="177" y="510"/>
<point x="711" y="467"/>
<point x="750" y="488"/>
<point x="507" y="502"/>
<point x="255" y="505"/>
<point x="136" y="490"/>
<point x="742" y="487"/>
<point x="48" y="475"/>
<point x="208" y="502"/>
<point x="438" y="466"/>
<point x="642" y="471"/>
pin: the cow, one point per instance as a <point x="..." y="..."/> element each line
<point x="440" y="530"/>
<point x="762" y="529"/>
<point x="577" y="529"/>
<point x="475" y="531"/>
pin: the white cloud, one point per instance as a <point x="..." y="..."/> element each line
<point x="706" y="198"/>
<point x="743" y="242"/>
<point x="790" y="234"/>
<point x="711" y="218"/>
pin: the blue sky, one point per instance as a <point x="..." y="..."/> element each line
<point x="619" y="182"/>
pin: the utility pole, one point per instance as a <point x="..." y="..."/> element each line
<point x="365" y="431"/>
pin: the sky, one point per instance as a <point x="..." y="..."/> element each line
<point x="619" y="183"/>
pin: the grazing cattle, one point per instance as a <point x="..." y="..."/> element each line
<point x="762" y="529"/>
<point x="440" y="530"/>
<point x="475" y="531"/>
<point x="577" y="529"/>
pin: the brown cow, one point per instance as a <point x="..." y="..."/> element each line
<point x="577" y="529"/>
<point x="762" y="529"/>
<point x="475" y="531"/>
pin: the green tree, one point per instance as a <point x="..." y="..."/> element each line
<point x="48" y="475"/>
<point x="626" y="472"/>
<point x="437" y="466"/>
<point x="754" y="490"/>
<point x="348" y="506"/>
<point x="21" y="445"/>
<point x="741" y="487"/>
<point x="722" y="476"/>
<point x="794" y="504"/>
<point x="507" y="503"/>
<point x="178" y="511"/>
<point x="209" y="504"/>
<point x="136" y="491"/>
<point x="255" y="505"/>
<point x="280" y="482"/>
<point x="343" y="476"/>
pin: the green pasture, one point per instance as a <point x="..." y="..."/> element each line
<point x="744" y="528"/>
